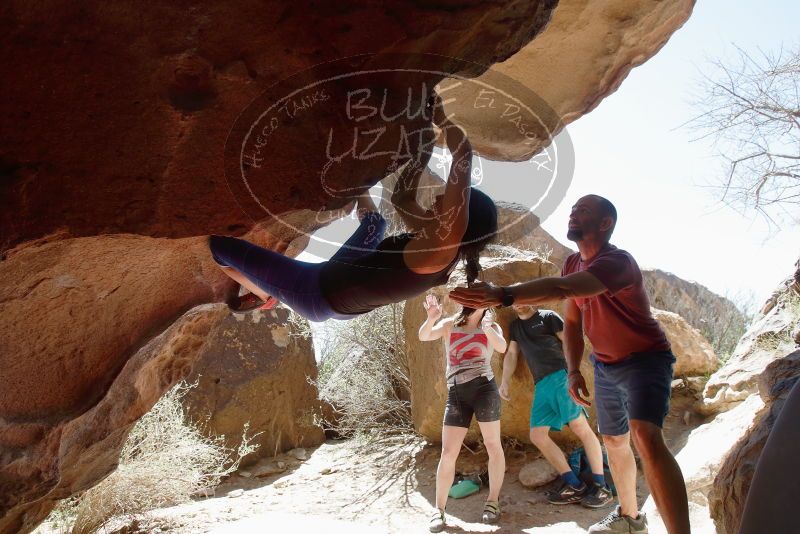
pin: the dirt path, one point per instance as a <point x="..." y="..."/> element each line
<point x="346" y="486"/>
<point x="354" y="488"/>
<point x="343" y="487"/>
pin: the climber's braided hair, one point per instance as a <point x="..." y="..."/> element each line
<point x="463" y="316"/>
<point x="481" y="230"/>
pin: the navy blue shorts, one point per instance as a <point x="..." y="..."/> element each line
<point x="637" y="388"/>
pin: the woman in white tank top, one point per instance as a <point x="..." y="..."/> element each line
<point x="470" y="339"/>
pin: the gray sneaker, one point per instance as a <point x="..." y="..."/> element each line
<point x="616" y="522"/>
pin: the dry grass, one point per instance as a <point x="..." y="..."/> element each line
<point x="164" y="461"/>
<point x="364" y="375"/>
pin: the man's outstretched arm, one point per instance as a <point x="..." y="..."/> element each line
<point x="582" y="284"/>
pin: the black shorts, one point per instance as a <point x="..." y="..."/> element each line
<point x="479" y="396"/>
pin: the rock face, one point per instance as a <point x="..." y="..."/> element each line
<point x="97" y="168"/>
<point x="50" y="458"/>
<point x="716" y="317"/>
<point x="104" y="299"/>
<point x="504" y="265"/>
<point x="142" y="151"/>
<point x="768" y="338"/>
<point x="700" y="462"/>
<point x="255" y="371"/>
<point x="606" y="40"/>
<point x="748" y="393"/>
<point x="732" y="483"/>
<point x="693" y="354"/>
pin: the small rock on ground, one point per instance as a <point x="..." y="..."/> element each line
<point x="537" y="473"/>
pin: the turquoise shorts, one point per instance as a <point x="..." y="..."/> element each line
<point x="552" y="405"/>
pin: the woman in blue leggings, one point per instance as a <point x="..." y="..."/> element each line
<point x="370" y="271"/>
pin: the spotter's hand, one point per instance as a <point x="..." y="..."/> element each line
<point x="504" y="393"/>
<point x="432" y="307"/>
<point x="488" y="320"/>
<point x="578" y="390"/>
<point x="480" y="295"/>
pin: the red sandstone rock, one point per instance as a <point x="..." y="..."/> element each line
<point x="49" y="455"/>
<point x="87" y="339"/>
<point x="117" y="119"/>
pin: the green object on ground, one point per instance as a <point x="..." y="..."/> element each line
<point x="463" y="488"/>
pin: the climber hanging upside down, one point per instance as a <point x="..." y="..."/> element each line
<point x="369" y="271"/>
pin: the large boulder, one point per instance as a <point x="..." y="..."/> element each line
<point x="97" y="169"/>
<point x="732" y="483"/>
<point x="770" y="336"/>
<point x="51" y="456"/>
<point x="597" y="41"/>
<point x="426" y="360"/>
<point x="700" y="460"/>
<point x="716" y="317"/>
<point x="257" y="370"/>
<point x="76" y="315"/>
<point x="142" y="151"/>
<point x="693" y="354"/>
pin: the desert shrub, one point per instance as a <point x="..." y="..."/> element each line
<point x="363" y="374"/>
<point x="165" y="460"/>
<point x="725" y="328"/>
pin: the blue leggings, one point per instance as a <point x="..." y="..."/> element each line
<point x="293" y="282"/>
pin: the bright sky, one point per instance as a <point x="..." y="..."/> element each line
<point x="633" y="150"/>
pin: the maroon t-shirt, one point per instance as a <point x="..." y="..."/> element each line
<point x="617" y="322"/>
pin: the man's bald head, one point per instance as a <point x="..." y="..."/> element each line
<point x="605" y="209"/>
<point x="592" y="215"/>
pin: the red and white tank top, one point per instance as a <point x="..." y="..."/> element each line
<point x="468" y="355"/>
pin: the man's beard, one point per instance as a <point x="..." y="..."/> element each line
<point x="574" y="234"/>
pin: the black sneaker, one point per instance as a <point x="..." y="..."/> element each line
<point x="567" y="494"/>
<point x="598" y="497"/>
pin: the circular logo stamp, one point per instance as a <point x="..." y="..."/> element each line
<point x="323" y="137"/>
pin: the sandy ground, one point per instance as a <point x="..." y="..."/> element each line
<point x="345" y="489"/>
<point x="350" y="487"/>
